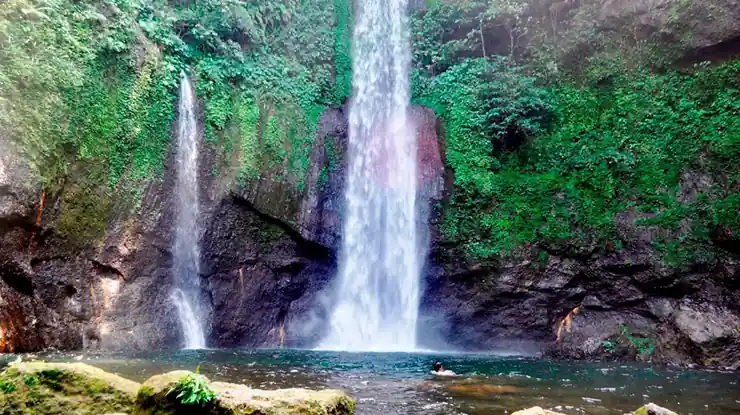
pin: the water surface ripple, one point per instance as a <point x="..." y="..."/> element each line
<point x="401" y="383"/>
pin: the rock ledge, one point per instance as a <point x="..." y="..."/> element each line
<point x="64" y="388"/>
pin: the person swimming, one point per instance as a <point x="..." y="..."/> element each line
<point x="439" y="370"/>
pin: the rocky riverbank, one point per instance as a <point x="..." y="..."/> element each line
<point x="649" y="409"/>
<point x="64" y="388"/>
<point x="37" y="387"/>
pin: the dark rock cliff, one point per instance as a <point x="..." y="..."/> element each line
<point x="269" y="256"/>
<point x="606" y="305"/>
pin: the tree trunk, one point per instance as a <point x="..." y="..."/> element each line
<point x="482" y="39"/>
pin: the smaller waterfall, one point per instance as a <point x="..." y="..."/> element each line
<point x="189" y="321"/>
<point x="186" y="250"/>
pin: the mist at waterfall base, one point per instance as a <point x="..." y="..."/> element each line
<point x="186" y="249"/>
<point x="401" y="383"/>
<point x="376" y="297"/>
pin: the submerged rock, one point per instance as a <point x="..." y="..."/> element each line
<point x="536" y="410"/>
<point x="649" y="409"/>
<point x="158" y="396"/>
<point x="63" y="388"/>
<point x="653" y="409"/>
<point x="482" y="390"/>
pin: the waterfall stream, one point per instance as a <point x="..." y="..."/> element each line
<point x="378" y="284"/>
<point x="186" y="250"/>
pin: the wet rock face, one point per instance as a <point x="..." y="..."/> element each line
<point x="709" y="22"/>
<point x="269" y="255"/>
<point x="262" y="276"/>
<point x="56" y="294"/>
<point x="606" y="306"/>
<point x="270" y="249"/>
<point x="314" y="210"/>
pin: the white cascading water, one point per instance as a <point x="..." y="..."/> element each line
<point x="186" y="250"/>
<point x="378" y="288"/>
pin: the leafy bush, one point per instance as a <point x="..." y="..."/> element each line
<point x="489" y="107"/>
<point x="193" y="390"/>
<point x="588" y="154"/>
<point x="644" y="345"/>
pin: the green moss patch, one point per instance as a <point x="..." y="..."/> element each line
<point x="80" y="389"/>
<point x="64" y="388"/>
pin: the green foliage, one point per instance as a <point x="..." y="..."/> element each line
<point x="7" y="386"/>
<point x="87" y="89"/>
<point x="88" y="101"/>
<point x="659" y="145"/>
<point x="96" y="388"/>
<point x="436" y="46"/>
<point x="122" y="118"/>
<point x="248" y="115"/>
<point x="30" y="380"/>
<point x="485" y="104"/>
<point x="264" y="95"/>
<point x="42" y="50"/>
<point x="644" y="345"/>
<point x="145" y="392"/>
<point x="608" y="346"/>
<point x="193" y="390"/>
<point x="342" y="53"/>
<point x="52" y="378"/>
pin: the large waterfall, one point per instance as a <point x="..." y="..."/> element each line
<point x="187" y="233"/>
<point x="378" y="287"/>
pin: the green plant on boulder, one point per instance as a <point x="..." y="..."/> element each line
<point x="30" y="380"/>
<point x="607" y="346"/>
<point x="52" y="378"/>
<point x="645" y="346"/>
<point x="193" y="390"/>
<point x="7" y="386"/>
<point x="186" y="392"/>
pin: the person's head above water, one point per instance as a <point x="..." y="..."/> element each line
<point x="437" y="366"/>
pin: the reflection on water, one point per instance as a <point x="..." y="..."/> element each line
<point x="401" y="383"/>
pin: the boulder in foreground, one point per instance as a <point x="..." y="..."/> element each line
<point x="63" y="388"/>
<point x="536" y="410"/>
<point x="76" y="388"/>
<point x="653" y="409"/>
<point x="159" y="395"/>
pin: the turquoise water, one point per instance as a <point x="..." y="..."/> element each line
<point x="401" y="383"/>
